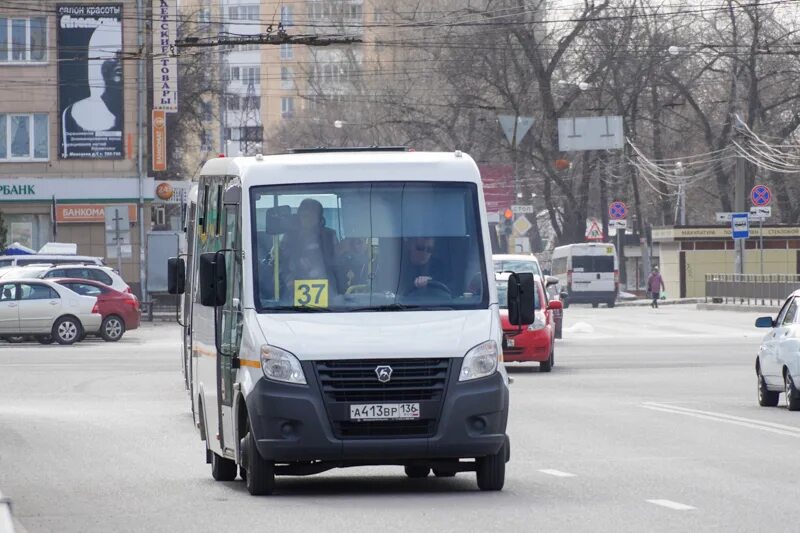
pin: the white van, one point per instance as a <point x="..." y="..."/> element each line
<point x="341" y="312"/>
<point x="589" y="272"/>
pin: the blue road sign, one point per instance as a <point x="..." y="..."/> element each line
<point x="760" y="195"/>
<point x="740" y="225"/>
<point x="617" y="210"/>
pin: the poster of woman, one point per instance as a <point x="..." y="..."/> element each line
<point x="90" y="81"/>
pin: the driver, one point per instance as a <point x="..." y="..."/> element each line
<point x="416" y="273"/>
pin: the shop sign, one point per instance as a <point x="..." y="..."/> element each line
<point x="87" y="213"/>
<point x="87" y="190"/>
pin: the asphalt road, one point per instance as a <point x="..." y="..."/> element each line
<point x="648" y="422"/>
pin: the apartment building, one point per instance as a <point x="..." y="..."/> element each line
<point x="314" y="83"/>
<point x="68" y="126"/>
<point x="241" y="126"/>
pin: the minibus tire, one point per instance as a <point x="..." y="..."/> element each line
<point x="595" y="305"/>
<point x="223" y="469"/>
<point x="491" y="470"/>
<point x="260" y="476"/>
<point x="417" y="472"/>
<point x="611" y="304"/>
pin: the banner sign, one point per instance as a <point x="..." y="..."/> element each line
<point x="159" y="140"/>
<point x="90" y="81"/>
<point x="165" y="64"/>
<point x="67" y="213"/>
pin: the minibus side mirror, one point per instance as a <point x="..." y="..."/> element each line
<point x="765" y="322"/>
<point x="521" y="299"/>
<point x="212" y="279"/>
<point x="176" y="275"/>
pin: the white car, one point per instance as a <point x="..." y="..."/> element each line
<point x="103" y="274"/>
<point x="46" y="310"/>
<point x="778" y="359"/>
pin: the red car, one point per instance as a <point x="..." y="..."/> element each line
<point x="535" y="342"/>
<point x="120" y="310"/>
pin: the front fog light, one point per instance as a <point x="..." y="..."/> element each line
<point x="280" y="365"/>
<point x="481" y="361"/>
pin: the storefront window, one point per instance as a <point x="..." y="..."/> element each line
<point x="33" y="231"/>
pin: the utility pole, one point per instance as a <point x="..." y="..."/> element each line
<point x="739" y="204"/>
<point x="141" y="170"/>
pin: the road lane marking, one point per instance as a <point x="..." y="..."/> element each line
<point x="556" y="473"/>
<point x="669" y="504"/>
<point x="771" y="427"/>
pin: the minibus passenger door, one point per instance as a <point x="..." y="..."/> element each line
<point x="230" y="324"/>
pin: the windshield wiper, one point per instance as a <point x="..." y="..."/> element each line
<point x="402" y="307"/>
<point x="299" y="309"/>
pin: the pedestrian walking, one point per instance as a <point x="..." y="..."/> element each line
<point x="655" y="284"/>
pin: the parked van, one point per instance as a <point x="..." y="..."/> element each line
<point x="589" y="273"/>
<point x="52" y="259"/>
<point x="341" y="311"/>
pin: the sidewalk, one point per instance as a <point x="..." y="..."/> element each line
<point x="702" y="305"/>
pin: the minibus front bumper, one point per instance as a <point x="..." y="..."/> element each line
<point x="297" y="423"/>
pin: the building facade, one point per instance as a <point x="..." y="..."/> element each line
<point x="69" y="143"/>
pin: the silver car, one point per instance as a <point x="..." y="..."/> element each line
<point x="46" y="310"/>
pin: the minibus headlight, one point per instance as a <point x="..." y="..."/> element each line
<point x="480" y="361"/>
<point x="280" y="365"/>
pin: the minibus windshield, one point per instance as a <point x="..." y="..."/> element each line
<point x="375" y="246"/>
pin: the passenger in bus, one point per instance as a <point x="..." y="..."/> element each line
<point x="352" y="262"/>
<point x="307" y="250"/>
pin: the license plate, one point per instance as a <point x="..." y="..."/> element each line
<point x="510" y="342"/>
<point x="384" y="411"/>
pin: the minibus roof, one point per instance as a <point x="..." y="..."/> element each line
<point x="347" y="166"/>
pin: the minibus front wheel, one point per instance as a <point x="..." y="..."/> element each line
<point x="260" y="476"/>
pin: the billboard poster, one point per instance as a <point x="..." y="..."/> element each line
<point x="90" y="81"/>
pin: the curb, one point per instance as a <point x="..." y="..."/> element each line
<point x="769" y="309"/>
<point x="646" y="303"/>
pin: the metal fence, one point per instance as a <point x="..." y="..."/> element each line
<point x="758" y="289"/>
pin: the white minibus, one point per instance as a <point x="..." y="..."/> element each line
<point x="340" y="311"/>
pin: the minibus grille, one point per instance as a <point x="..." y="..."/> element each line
<point x="348" y="382"/>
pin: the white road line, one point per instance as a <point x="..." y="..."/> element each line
<point x="556" y="473"/>
<point x="779" y="429"/>
<point x="669" y="504"/>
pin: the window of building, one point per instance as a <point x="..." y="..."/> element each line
<point x="251" y="75"/>
<point x="286" y="51"/>
<point x="24" y="136"/>
<point x="253" y="133"/>
<point x="232" y="103"/>
<point x="207" y="111"/>
<point x="286" y="16"/>
<point x="254" y="102"/>
<point x="204" y="16"/>
<point x="206" y="141"/>
<point x="287" y="78"/>
<point x="234" y="73"/>
<point x="245" y="12"/>
<point x="314" y="11"/>
<point x="23" y="39"/>
<point x="287" y="107"/>
<point x="352" y="11"/>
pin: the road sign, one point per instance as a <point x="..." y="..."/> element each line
<point x="760" y="195"/>
<point x="617" y="210"/>
<point x="522" y="225"/>
<point x="590" y="133"/>
<point x="593" y="231"/>
<point x="760" y="211"/>
<point x="523" y="125"/>
<point x="740" y="225"/>
<point x="518" y="209"/>
<point x="618" y="223"/>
